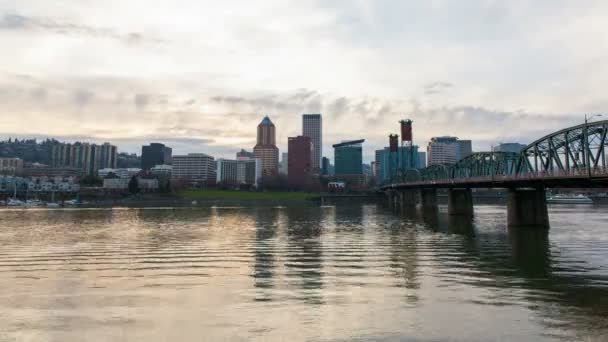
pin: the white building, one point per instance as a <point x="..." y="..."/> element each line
<point x="60" y="185"/>
<point x="312" y="126"/>
<point x="162" y="170"/>
<point x="243" y="171"/>
<point x="195" y="168"/>
<point x="447" y="150"/>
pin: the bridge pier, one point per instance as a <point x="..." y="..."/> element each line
<point x="409" y="198"/>
<point x="428" y="198"/>
<point x="527" y="208"/>
<point x="460" y="202"/>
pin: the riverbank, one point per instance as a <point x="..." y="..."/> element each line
<point x="245" y="195"/>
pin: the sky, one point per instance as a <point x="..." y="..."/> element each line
<point x="200" y="75"/>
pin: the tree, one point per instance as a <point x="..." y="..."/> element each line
<point x="134" y="185"/>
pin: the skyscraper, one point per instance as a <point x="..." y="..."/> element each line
<point x="312" y="126"/>
<point x="266" y="148"/>
<point x="245" y="154"/>
<point x="348" y="157"/>
<point x="155" y="154"/>
<point x="299" y="161"/>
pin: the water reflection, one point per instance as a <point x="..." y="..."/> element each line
<point x="334" y="273"/>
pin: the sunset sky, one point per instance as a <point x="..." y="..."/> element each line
<point x="200" y="75"/>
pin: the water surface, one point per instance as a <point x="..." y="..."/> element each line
<point x="301" y="273"/>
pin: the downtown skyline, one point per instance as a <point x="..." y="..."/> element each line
<point x="86" y="72"/>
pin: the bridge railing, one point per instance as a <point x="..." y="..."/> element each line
<point x="578" y="173"/>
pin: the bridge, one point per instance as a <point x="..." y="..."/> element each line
<point x="573" y="157"/>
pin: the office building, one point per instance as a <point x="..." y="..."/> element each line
<point x="325" y="163"/>
<point x="266" y="149"/>
<point x="238" y="173"/>
<point x="509" y="147"/>
<point x="108" y="156"/>
<point x="312" y="127"/>
<point x="195" y="169"/>
<point x="283" y="167"/>
<point x="11" y="165"/>
<point x="389" y="164"/>
<point x="421" y="163"/>
<point x="348" y="157"/>
<point x="299" y="163"/>
<point x="84" y="156"/>
<point x="245" y="154"/>
<point x="447" y="150"/>
<point x="155" y="154"/>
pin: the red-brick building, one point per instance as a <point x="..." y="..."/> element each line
<point x="299" y="162"/>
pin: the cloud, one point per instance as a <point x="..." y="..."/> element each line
<point x="21" y="22"/>
<point x="141" y="101"/>
<point x="437" y="87"/>
<point x="82" y="97"/>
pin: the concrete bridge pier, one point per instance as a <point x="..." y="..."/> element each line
<point x="527" y="208"/>
<point x="428" y="198"/>
<point x="460" y="202"/>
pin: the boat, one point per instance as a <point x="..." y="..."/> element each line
<point x="33" y="203"/>
<point x="13" y="202"/>
<point x="569" y="199"/>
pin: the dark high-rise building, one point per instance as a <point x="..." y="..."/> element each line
<point x="245" y="154"/>
<point x="266" y="148"/>
<point x="325" y="166"/>
<point x="299" y="166"/>
<point x="348" y="157"/>
<point x="312" y="126"/>
<point x="155" y="154"/>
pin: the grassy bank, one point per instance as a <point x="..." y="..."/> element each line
<point x="245" y="195"/>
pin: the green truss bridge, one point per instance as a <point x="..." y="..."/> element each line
<point x="573" y="157"/>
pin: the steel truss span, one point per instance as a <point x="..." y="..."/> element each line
<point x="574" y="156"/>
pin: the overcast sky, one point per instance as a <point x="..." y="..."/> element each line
<point x="200" y="75"/>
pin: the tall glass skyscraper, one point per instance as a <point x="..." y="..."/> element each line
<point x="312" y="126"/>
<point x="348" y="157"/>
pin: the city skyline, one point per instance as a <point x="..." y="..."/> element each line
<point x="363" y="65"/>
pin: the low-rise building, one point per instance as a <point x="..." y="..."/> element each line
<point x="121" y="173"/>
<point x="162" y="170"/>
<point x="145" y="183"/>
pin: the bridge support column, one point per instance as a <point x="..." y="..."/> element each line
<point x="409" y="198"/>
<point x="428" y="198"/>
<point x="527" y="208"/>
<point x="460" y="202"/>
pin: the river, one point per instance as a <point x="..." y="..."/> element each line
<point x="301" y="273"/>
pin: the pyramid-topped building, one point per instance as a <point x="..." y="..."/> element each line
<point x="266" y="149"/>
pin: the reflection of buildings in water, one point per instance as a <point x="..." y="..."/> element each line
<point x="404" y="259"/>
<point x="349" y="216"/>
<point x="518" y="265"/>
<point x="267" y="222"/>
<point x="165" y="227"/>
<point x="304" y="254"/>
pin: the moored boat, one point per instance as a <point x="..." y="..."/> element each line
<point x="569" y="199"/>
